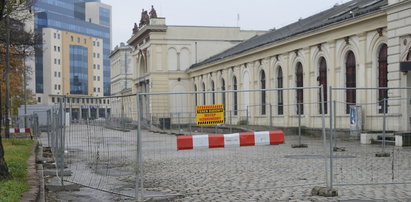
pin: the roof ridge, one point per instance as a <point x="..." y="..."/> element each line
<point x="346" y="11"/>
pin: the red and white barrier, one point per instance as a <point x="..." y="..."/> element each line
<point x="20" y="130"/>
<point x="230" y="140"/>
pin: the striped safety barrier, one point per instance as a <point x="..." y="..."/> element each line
<point x="20" y="130"/>
<point x="230" y="140"/>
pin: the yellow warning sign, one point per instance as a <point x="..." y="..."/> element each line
<point x="209" y="114"/>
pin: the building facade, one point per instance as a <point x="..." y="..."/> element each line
<point x="121" y="81"/>
<point x="121" y="71"/>
<point x="72" y="57"/>
<point x="161" y="54"/>
<point x="359" y="44"/>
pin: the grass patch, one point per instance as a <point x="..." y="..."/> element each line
<point x="17" y="152"/>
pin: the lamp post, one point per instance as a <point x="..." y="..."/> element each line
<point x="7" y="74"/>
<point x="25" y="90"/>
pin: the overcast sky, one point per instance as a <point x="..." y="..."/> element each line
<point x="253" y="14"/>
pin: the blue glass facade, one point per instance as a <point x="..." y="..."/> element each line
<point x="78" y="70"/>
<point x="104" y="16"/>
<point x="70" y="16"/>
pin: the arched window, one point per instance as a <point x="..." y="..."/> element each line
<point x="143" y="67"/>
<point x="322" y="79"/>
<point x="350" y="76"/>
<point x="212" y="94"/>
<point x="300" y="92"/>
<point x="195" y="96"/>
<point x="280" y="92"/>
<point x="172" y="59"/>
<point x="223" y="89"/>
<point x="263" y="93"/>
<point x="382" y="79"/>
<point x="204" y="95"/>
<point x="235" y="107"/>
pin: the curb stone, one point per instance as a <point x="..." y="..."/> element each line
<point x="33" y="180"/>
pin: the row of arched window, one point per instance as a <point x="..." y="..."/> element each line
<point x="350" y="79"/>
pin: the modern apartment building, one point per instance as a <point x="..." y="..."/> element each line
<point x="73" y="56"/>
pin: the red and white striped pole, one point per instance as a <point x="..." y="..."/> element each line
<point x="20" y="130"/>
<point x="230" y="140"/>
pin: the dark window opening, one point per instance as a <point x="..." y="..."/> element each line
<point x="213" y="94"/>
<point x="204" y="95"/>
<point x="195" y="96"/>
<point x="223" y="94"/>
<point x="382" y="80"/>
<point x="300" y="92"/>
<point x="323" y="81"/>
<point x="235" y="95"/>
<point x="350" y="76"/>
<point x="263" y="93"/>
<point x="280" y="92"/>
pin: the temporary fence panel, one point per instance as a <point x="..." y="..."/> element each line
<point x="27" y="125"/>
<point x="96" y="140"/>
<point x="128" y="144"/>
<point x="368" y="155"/>
<point x="165" y="117"/>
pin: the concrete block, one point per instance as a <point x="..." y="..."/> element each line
<point x="324" y="191"/>
<point x="365" y="138"/>
<point x="398" y="141"/>
<point x="54" y="173"/>
<point x="382" y="154"/>
<point x="299" y="146"/>
<point x="67" y="187"/>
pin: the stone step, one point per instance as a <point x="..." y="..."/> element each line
<point x="53" y="173"/>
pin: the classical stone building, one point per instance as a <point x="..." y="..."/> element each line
<point x="161" y="55"/>
<point x="121" y="72"/>
<point x="121" y="80"/>
<point x="357" y="44"/>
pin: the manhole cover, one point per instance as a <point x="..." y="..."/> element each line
<point x="316" y="156"/>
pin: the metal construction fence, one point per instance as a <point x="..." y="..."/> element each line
<point x="23" y="123"/>
<point x="165" y="171"/>
<point x="374" y="117"/>
<point x="92" y="147"/>
<point x="129" y="146"/>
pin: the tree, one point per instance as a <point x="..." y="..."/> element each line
<point x="9" y="9"/>
<point x="16" y="83"/>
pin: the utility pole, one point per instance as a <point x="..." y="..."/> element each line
<point x="1" y="113"/>
<point x="25" y="89"/>
<point x="7" y="132"/>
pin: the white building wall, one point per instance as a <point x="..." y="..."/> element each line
<point x="52" y="64"/>
<point x="365" y="43"/>
<point x="399" y="43"/>
<point x="97" y="66"/>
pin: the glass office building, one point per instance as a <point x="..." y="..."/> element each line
<point x="86" y="17"/>
<point x="78" y="70"/>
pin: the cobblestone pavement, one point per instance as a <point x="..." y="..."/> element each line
<point x="261" y="173"/>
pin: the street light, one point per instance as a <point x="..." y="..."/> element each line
<point x="7" y="74"/>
